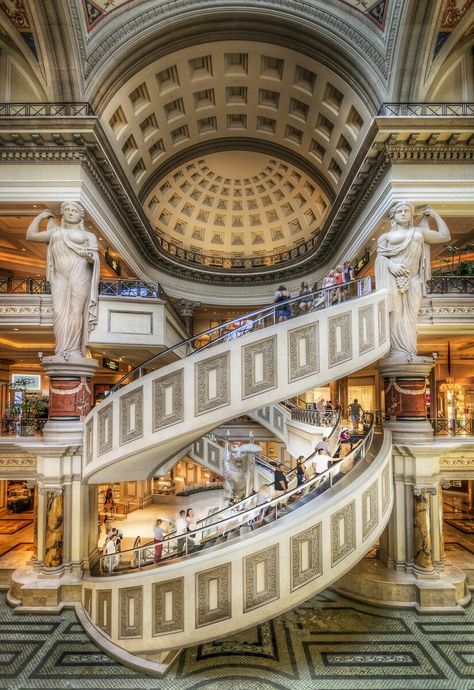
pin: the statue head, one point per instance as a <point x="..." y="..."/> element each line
<point x="401" y="214"/>
<point x="72" y="212"/>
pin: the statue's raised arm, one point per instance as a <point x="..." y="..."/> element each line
<point x="403" y="267"/>
<point x="73" y="273"/>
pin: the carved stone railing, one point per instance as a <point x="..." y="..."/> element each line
<point x="453" y="427"/>
<point x="426" y="109"/>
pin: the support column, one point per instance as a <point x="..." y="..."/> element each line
<point x="422" y="542"/>
<point x="54" y="534"/>
<point x="186" y="310"/>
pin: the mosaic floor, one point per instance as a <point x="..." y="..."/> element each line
<point x="329" y="643"/>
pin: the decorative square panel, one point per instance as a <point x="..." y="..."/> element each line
<point x="343" y="540"/>
<point x="259" y="367"/>
<point x="382" y="322"/>
<point x="168" y="606"/>
<point x="261" y="578"/>
<point x="278" y="420"/>
<point x="366" y="329"/>
<point x="212" y="383"/>
<point x="306" y="556"/>
<point x="105" y="429"/>
<point x="370" y="510"/>
<point x="131" y="416"/>
<point x="213" y="595"/>
<point x="88" y="440"/>
<point x="264" y="413"/>
<point x="198" y="448"/>
<point x="386" y="488"/>
<point x="213" y="456"/>
<point x="303" y="349"/>
<point x="88" y="602"/>
<point x="131" y="612"/>
<point x="104" y="610"/>
<point x="168" y="400"/>
<point x="339" y="338"/>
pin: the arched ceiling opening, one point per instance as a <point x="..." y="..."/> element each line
<point x="251" y="116"/>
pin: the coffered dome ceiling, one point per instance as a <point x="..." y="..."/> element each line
<point x="236" y="149"/>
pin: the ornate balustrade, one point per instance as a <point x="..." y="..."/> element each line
<point x="426" y="109"/>
<point x="453" y="427"/>
<point x="66" y="109"/>
<point x="451" y="285"/>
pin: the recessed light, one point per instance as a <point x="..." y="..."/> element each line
<point x="35" y="206"/>
<point x="23" y="249"/>
<point x="373" y="239"/>
<point x="16" y="329"/>
<point x="100" y="238"/>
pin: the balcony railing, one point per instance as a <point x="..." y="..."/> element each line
<point x="453" y="427"/>
<point x="24" y="286"/>
<point x="70" y="109"/>
<point x="426" y="109"/>
<point x="451" y="285"/>
<point x="131" y="288"/>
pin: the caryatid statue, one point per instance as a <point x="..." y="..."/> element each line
<point x="73" y="273"/>
<point x="403" y="267"/>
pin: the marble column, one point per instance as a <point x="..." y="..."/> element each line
<point x="53" y="548"/>
<point x="186" y="310"/>
<point x="422" y="541"/>
<point x="35" y="523"/>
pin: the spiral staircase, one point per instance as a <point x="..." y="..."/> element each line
<point x="309" y="538"/>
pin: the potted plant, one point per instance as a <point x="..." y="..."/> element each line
<point x="28" y="409"/>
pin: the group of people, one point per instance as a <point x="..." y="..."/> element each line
<point x="307" y="301"/>
<point x="186" y="526"/>
<point x="113" y="548"/>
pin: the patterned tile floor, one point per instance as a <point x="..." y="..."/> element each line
<point x="330" y="643"/>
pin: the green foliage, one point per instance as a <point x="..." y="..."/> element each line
<point x="31" y="405"/>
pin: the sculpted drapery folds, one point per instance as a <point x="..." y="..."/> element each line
<point x="403" y="267"/>
<point x="73" y="272"/>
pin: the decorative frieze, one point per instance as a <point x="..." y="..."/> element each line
<point x="303" y="349"/>
<point x="259" y="367"/>
<point x="339" y="338"/>
<point x="366" y="329"/>
<point x="104" y="610"/>
<point x="131" y="416"/>
<point x="213" y="595"/>
<point x="212" y="383"/>
<point x="131" y="612"/>
<point x="306" y="557"/>
<point x="105" y="431"/>
<point x="261" y="578"/>
<point x="168" y="606"/>
<point x="168" y="400"/>
<point x="370" y="512"/>
<point x="343" y="538"/>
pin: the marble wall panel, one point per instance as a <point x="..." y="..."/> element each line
<point x="339" y="338"/>
<point x="366" y="329"/>
<point x="130" y="612"/>
<point x="343" y="537"/>
<point x="104" y="610"/>
<point x="212" y="383"/>
<point x="370" y="510"/>
<point x="198" y="448"/>
<point x="168" y="400"/>
<point x="213" y="595"/>
<point x="105" y="431"/>
<point x="261" y="578"/>
<point x="168" y="606"/>
<point x="259" y="367"/>
<point x="278" y="420"/>
<point x="213" y="456"/>
<point x="382" y="322"/>
<point x="306" y="563"/>
<point x="303" y="349"/>
<point x="131" y="416"/>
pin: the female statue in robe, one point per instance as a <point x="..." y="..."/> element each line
<point x="403" y="267"/>
<point x="73" y="273"/>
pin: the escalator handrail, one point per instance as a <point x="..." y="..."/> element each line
<point x="320" y="479"/>
<point x="256" y="315"/>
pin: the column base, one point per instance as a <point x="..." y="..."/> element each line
<point x="371" y="581"/>
<point x="410" y="433"/>
<point x="39" y="592"/>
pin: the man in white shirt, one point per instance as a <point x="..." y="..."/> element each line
<point x="321" y="462"/>
<point x="181" y="528"/>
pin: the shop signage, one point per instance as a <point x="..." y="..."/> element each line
<point x="360" y="263"/>
<point x="31" y="382"/>
<point x="111" y="364"/>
